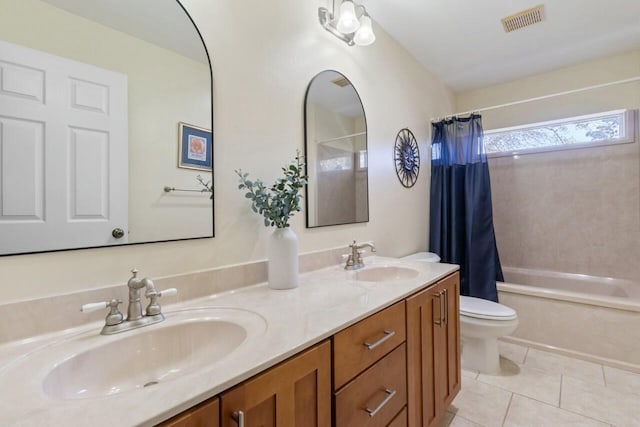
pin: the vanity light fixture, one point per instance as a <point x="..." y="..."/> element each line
<point x="348" y="26"/>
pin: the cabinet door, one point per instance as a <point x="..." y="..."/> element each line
<point x="421" y="314"/>
<point x="296" y="393"/>
<point x="449" y="342"/>
<point x="433" y="351"/>
<point x="206" y="414"/>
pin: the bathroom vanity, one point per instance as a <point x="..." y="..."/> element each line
<point x="378" y="346"/>
<point x="398" y="367"/>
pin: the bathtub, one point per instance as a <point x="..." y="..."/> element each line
<point x="589" y="317"/>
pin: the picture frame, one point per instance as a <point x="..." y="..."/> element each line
<point x="195" y="147"/>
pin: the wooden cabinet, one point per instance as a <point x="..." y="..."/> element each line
<point x="206" y="414"/>
<point x="375" y="397"/>
<point x="433" y="351"/>
<point x="296" y="393"/>
<point x="398" y="367"/>
<point x="361" y="345"/>
<point x="400" y="420"/>
<point x="370" y="370"/>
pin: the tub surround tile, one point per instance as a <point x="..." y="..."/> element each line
<point x="527" y="381"/>
<point x="481" y="403"/>
<point x="624" y="381"/>
<point x="525" y="412"/>
<point x="601" y="403"/>
<point x="567" y="366"/>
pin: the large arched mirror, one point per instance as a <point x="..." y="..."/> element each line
<point x="105" y="125"/>
<point x="336" y="152"/>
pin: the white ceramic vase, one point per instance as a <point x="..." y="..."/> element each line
<point x="283" y="259"/>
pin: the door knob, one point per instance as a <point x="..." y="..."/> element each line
<point x="118" y="233"/>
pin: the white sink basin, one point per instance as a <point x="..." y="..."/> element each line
<point x="385" y="274"/>
<point x="187" y="341"/>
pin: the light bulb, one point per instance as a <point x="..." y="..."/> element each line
<point x="364" y="36"/>
<point x="348" y="21"/>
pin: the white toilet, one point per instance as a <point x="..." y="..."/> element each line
<point x="482" y="322"/>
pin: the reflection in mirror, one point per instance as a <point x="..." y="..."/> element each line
<point x="101" y="108"/>
<point x="336" y="152"/>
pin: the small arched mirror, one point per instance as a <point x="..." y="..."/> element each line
<point x="336" y="152"/>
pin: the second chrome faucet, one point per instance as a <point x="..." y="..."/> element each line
<point x="354" y="261"/>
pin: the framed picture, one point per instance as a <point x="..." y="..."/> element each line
<point x="195" y="147"/>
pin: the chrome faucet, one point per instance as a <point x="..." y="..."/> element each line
<point x="115" y="322"/>
<point x="354" y="261"/>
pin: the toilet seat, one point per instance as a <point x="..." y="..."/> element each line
<point x="479" y="308"/>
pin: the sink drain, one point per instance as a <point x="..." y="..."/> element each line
<point x="150" y="383"/>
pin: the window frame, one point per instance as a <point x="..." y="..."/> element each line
<point x="629" y="127"/>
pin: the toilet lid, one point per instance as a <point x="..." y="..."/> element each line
<point x="485" y="309"/>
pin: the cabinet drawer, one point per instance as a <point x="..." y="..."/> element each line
<point x="361" y="345"/>
<point x="204" y="415"/>
<point x="375" y="397"/>
<point x="400" y="420"/>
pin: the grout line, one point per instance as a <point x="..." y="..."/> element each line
<point x="586" y="416"/>
<point x="504" y="418"/>
<point x="466" y="419"/>
<point x="604" y="376"/>
<point x="566" y="410"/>
<point x="536" y="400"/>
<point x="560" y="396"/>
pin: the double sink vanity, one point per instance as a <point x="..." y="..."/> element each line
<point x="377" y="346"/>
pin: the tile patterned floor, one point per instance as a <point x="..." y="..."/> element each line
<point x="539" y="389"/>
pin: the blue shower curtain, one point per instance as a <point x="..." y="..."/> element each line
<point x="461" y="224"/>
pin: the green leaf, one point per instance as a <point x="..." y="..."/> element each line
<point x="248" y="195"/>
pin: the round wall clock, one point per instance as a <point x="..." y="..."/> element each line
<point x="407" y="158"/>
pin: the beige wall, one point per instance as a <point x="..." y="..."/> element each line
<point x="574" y="211"/>
<point x="264" y="55"/>
<point x="164" y="88"/>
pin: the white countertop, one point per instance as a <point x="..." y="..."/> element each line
<point x="327" y="301"/>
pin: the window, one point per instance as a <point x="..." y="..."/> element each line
<point x="612" y="127"/>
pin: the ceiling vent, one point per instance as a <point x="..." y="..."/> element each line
<point x="523" y="19"/>
<point x="341" y="81"/>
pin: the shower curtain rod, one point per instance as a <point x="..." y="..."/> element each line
<point x="539" y="98"/>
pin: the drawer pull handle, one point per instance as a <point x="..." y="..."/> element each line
<point x="440" y="320"/>
<point x="387" y="335"/>
<point x="389" y="396"/>
<point x="238" y="417"/>
<point x="446" y="306"/>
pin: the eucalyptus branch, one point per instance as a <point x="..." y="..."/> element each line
<point x="281" y="201"/>
<point x="208" y="187"/>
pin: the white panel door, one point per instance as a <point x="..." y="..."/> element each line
<point x="63" y="152"/>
